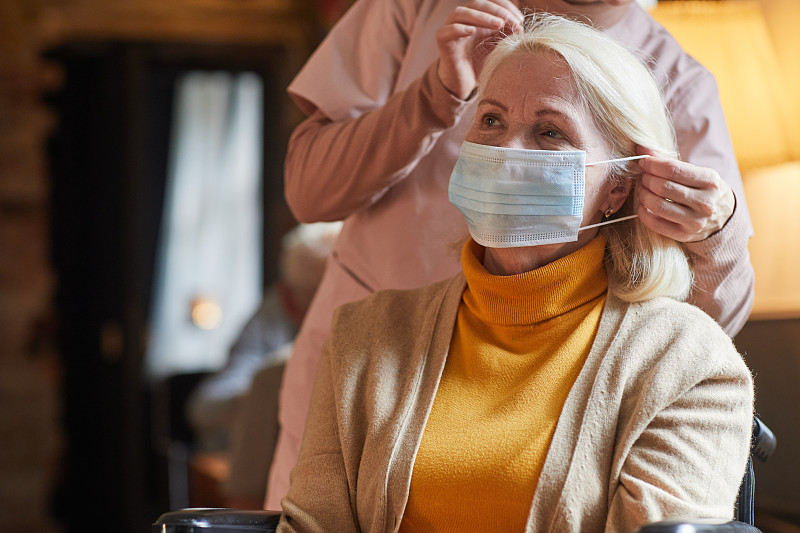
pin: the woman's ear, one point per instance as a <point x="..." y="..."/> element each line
<point x="618" y="194"/>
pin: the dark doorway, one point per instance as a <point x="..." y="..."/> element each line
<point x="108" y="162"/>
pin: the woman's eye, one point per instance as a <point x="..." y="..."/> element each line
<point x="490" y="121"/>
<point x="552" y="134"/>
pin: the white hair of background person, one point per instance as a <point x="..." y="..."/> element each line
<point x="627" y="107"/>
<point x="304" y="250"/>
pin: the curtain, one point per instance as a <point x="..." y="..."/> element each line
<point x="209" y="273"/>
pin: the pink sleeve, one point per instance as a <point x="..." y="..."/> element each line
<point x="363" y="135"/>
<point x="336" y="168"/>
<point x="356" y="66"/>
<point x="702" y="131"/>
<point x="724" y="276"/>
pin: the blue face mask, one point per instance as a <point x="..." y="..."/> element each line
<point x="513" y="197"/>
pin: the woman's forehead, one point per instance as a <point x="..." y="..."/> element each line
<point x="528" y="83"/>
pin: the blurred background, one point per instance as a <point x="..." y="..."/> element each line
<point x="128" y="265"/>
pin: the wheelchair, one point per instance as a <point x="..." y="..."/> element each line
<point x="245" y="521"/>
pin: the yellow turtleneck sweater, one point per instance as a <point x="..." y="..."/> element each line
<point x="517" y="348"/>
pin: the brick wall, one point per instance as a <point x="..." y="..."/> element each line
<point x="28" y="385"/>
<point x="30" y="441"/>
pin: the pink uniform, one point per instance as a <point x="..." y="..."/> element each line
<point x="377" y="151"/>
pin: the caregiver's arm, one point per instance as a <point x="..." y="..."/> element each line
<point x="693" y="205"/>
<point x="724" y="276"/>
<point x="337" y="167"/>
<point x="334" y="169"/>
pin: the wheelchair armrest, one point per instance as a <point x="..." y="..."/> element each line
<point x="763" y="441"/>
<point x="698" y="526"/>
<point x="202" y="520"/>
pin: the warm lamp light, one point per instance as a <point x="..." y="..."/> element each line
<point x="773" y="194"/>
<point x="731" y="39"/>
<point x="206" y="313"/>
<point x="782" y="17"/>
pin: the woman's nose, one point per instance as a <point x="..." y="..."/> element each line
<point x="518" y="135"/>
<point x="517" y="141"/>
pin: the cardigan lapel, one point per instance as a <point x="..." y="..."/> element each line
<point x="428" y="362"/>
<point x="577" y="456"/>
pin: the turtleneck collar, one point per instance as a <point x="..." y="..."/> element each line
<point x="538" y="295"/>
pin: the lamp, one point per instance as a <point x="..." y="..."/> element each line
<point x="773" y="194"/>
<point x="782" y="17"/>
<point x="731" y="39"/>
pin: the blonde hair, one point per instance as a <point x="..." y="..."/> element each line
<point x="628" y="109"/>
<point x="304" y="251"/>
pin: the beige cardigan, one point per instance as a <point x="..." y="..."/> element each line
<point x="657" y="424"/>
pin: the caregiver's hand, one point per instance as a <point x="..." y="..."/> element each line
<point x="682" y="201"/>
<point x="466" y="38"/>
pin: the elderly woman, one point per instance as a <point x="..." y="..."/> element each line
<point x="559" y="383"/>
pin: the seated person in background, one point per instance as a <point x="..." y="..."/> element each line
<point x="558" y="383"/>
<point x="253" y="436"/>
<point x="212" y="406"/>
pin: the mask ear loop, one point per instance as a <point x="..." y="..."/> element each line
<point x="631" y="158"/>
<point x="608" y="222"/>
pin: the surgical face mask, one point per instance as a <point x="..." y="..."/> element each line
<point x="512" y="197"/>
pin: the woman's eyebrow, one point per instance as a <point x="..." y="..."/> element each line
<point x="547" y="111"/>
<point x="494" y="103"/>
<point x="555" y="112"/>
